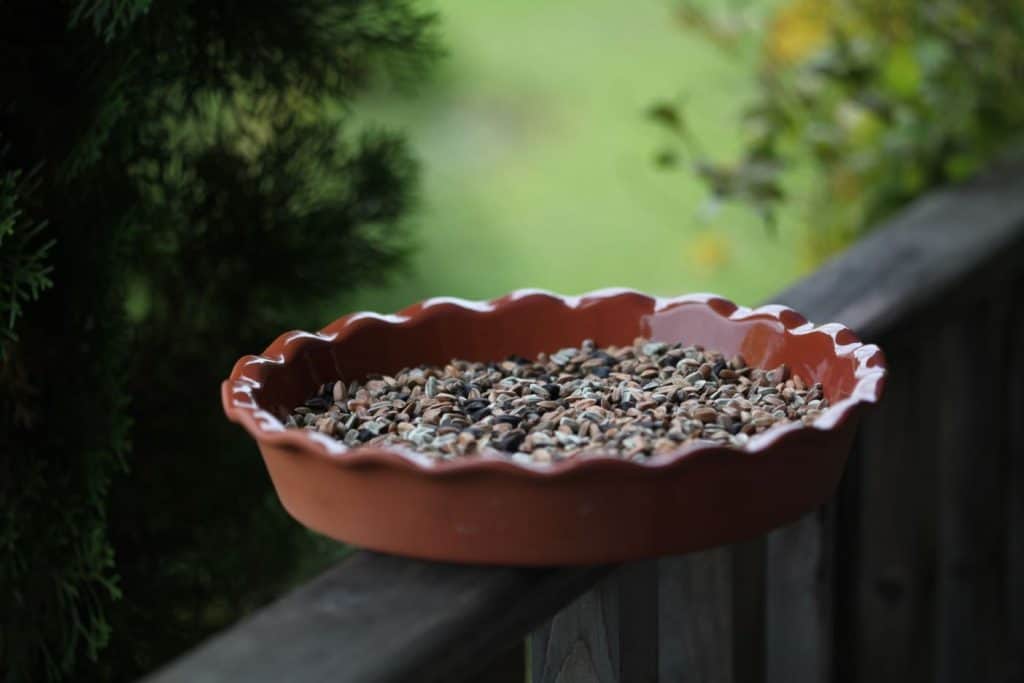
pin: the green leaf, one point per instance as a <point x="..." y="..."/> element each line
<point x="932" y="54"/>
<point x="667" y="115"/>
<point x="666" y="159"/>
<point x="961" y="166"/>
<point x="901" y="74"/>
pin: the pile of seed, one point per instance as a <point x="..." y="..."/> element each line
<point x="629" y="401"/>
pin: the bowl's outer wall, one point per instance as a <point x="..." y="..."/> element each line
<point x="601" y="511"/>
<point x="598" y="515"/>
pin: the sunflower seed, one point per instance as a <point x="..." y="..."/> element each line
<point x="630" y="401"/>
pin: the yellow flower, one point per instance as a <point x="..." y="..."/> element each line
<point x="709" y="251"/>
<point x="845" y="184"/>
<point x="797" y="31"/>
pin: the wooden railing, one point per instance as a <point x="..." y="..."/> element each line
<point x="915" y="571"/>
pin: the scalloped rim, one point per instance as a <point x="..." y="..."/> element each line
<point x="240" y="405"/>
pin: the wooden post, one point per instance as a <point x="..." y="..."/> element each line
<point x="892" y="556"/>
<point x="1012" y="415"/>
<point x="971" y="459"/>
<point x="608" y="634"/>
<point x="798" y="600"/>
<point x="696" y="618"/>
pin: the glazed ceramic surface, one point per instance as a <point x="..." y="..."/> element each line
<point x="489" y="509"/>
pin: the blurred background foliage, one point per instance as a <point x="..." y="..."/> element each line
<point x="180" y="181"/>
<point x="538" y="166"/>
<point x="174" y="190"/>
<point x="876" y="100"/>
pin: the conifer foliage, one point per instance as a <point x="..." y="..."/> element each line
<point x="179" y="181"/>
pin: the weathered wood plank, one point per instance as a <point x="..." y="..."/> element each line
<point x="798" y="600"/>
<point x="894" y="553"/>
<point x="846" y="575"/>
<point x="616" y="632"/>
<point x="1012" y="416"/>
<point x="609" y="634"/>
<point x="748" y="587"/>
<point x="382" y="618"/>
<point x="695" y="617"/>
<point x="638" y="610"/>
<point x="970" y="453"/>
<point x="692" y="625"/>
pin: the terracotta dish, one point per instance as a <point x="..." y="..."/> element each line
<point x="597" y="509"/>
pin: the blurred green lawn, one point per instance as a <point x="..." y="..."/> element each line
<point x="538" y="160"/>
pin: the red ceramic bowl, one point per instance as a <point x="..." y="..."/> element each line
<point x="593" y="509"/>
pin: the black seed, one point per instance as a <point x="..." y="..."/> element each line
<point x="510" y="442"/>
<point x="475" y="431"/>
<point x="601" y="371"/>
<point x="734" y="428"/>
<point x="476" y="404"/>
<point x="518" y="360"/>
<point x="365" y="435"/>
<point x="720" y="365"/>
<point x="553" y="390"/>
<point x="318" y="403"/>
<point x="668" y="361"/>
<point x="606" y="357"/>
<point x="480" y="414"/>
<point x="513" y="420"/>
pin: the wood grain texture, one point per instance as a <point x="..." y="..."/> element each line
<point x="609" y="634"/>
<point x="695" y="617"/>
<point x="970" y="455"/>
<point x="748" y="610"/>
<point x="382" y="618"/>
<point x="669" y="620"/>
<point x="1012" y="415"/>
<point x="846" y="576"/>
<point x="798" y="600"/>
<point x="894" y="553"/>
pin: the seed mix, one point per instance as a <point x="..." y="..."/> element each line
<point x="631" y="401"/>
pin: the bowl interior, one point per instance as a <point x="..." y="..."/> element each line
<point x="437" y="331"/>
